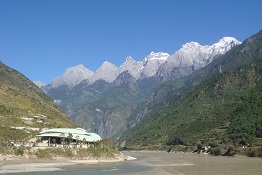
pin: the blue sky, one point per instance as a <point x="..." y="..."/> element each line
<point x="41" y="38"/>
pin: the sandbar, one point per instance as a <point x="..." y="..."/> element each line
<point x="20" y="165"/>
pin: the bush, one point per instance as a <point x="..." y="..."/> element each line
<point x="231" y="151"/>
<point x="95" y="152"/>
<point x="2" y="148"/>
<point x="19" y="151"/>
<point x="213" y="145"/>
<point x="215" y="151"/>
<point x="49" y="153"/>
<point x="43" y="153"/>
<point x="255" y="152"/>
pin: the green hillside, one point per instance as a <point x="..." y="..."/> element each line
<point x="226" y="108"/>
<point x="240" y="55"/>
<point x="207" y="106"/>
<point x="24" y="108"/>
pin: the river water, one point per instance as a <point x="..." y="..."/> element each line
<point x="162" y="163"/>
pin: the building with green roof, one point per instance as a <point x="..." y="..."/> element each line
<point x="61" y="135"/>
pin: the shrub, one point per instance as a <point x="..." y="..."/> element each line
<point x="231" y="151"/>
<point x="215" y="151"/>
<point x="43" y="153"/>
<point x="94" y="152"/>
<point x="255" y="152"/>
<point x="19" y="151"/>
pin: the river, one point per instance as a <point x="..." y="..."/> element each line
<point x="163" y="163"/>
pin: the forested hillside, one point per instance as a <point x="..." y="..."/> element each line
<point x="226" y="108"/>
<point x="240" y="55"/>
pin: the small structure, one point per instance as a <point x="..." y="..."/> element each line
<point x="58" y="136"/>
<point x="40" y="118"/>
<point x="205" y="148"/>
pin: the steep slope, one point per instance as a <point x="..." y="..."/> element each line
<point x="116" y="106"/>
<point x="107" y="71"/>
<point x="72" y="76"/>
<point x="241" y="54"/>
<point x="39" y="84"/>
<point x="237" y="56"/>
<point x="132" y="67"/>
<point x="152" y="63"/>
<point x="80" y="95"/>
<point x="180" y="112"/>
<point x="225" y="108"/>
<point x="24" y="107"/>
<point x="193" y="56"/>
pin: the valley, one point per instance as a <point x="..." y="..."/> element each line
<point x="199" y="96"/>
<point x="110" y="100"/>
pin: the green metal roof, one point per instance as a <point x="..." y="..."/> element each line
<point x="78" y="134"/>
<point x="65" y="130"/>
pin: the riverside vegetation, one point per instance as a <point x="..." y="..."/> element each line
<point x="102" y="150"/>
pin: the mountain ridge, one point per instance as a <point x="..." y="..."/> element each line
<point x="239" y="55"/>
<point x="155" y="64"/>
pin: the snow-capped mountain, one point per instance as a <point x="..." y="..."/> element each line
<point x="152" y="63"/>
<point x="72" y="76"/>
<point x="193" y="56"/>
<point x="223" y="45"/>
<point x="190" y="57"/>
<point x="132" y="67"/>
<point x="107" y="71"/>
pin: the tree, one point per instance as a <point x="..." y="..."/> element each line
<point x="78" y="141"/>
<point x="69" y="139"/>
<point x="63" y="138"/>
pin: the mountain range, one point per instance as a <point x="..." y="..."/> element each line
<point x="190" y="57"/>
<point x="109" y="100"/>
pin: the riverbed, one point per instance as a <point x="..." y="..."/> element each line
<point x="161" y="163"/>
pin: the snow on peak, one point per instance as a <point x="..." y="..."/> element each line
<point x="225" y="44"/>
<point x="160" y="56"/>
<point x="152" y="63"/>
<point x="129" y="58"/>
<point x="190" y="45"/>
<point x="229" y="40"/>
<point x="134" y="68"/>
<point x="191" y="48"/>
<point x="106" y="64"/>
<point x="107" y="71"/>
<point x="72" y="76"/>
<point x="106" y="67"/>
<point x="191" y="56"/>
